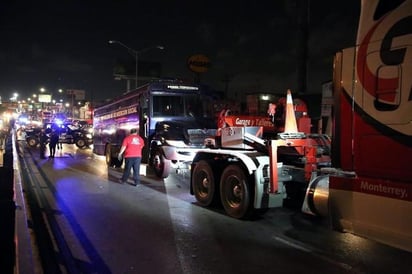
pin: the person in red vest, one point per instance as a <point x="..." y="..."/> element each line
<point x="132" y="146"/>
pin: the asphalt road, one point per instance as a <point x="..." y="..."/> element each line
<point x="86" y="222"/>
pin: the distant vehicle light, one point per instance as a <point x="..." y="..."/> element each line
<point x="182" y="87"/>
<point x="109" y="131"/>
<point x="23" y="120"/>
<point x="37" y="123"/>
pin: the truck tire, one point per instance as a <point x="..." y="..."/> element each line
<point x="110" y="160"/>
<point x="117" y="163"/>
<point x="235" y="193"/>
<point x="108" y="154"/>
<point x="160" y="164"/>
<point x="81" y="143"/>
<point x="32" y="141"/>
<point x="203" y="184"/>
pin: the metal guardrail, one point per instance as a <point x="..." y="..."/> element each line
<point x="2" y="148"/>
<point x="7" y="205"/>
<point x="16" y="247"/>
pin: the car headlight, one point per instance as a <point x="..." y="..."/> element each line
<point x="89" y="136"/>
<point x="176" y="143"/>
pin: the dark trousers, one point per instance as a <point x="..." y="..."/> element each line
<point x="42" y="151"/>
<point x="21" y="147"/>
<point x="52" y="148"/>
<point x="132" y="163"/>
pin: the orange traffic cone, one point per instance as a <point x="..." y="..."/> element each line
<point x="290" y="119"/>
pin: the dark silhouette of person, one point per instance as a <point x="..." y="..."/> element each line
<point x="54" y="139"/>
<point x="43" y="141"/>
<point x="59" y="131"/>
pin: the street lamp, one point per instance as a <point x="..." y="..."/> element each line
<point x="14" y="98"/>
<point x="135" y="54"/>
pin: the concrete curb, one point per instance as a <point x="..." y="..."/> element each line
<point x="23" y="240"/>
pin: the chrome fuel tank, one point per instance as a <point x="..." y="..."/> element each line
<point x="317" y="196"/>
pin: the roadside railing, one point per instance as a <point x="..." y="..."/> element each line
<point x="7" y="204"/>
<point x="2" y="147"/>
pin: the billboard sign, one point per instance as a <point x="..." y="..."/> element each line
<point x="44" y="98"/>
<point x="77" y="94"/>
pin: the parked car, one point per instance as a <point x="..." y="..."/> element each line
<point x="71" y="134"/>
<point x="32" y="136"/>
<point x="68" y="134"/>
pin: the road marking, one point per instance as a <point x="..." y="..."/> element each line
<point x="313" y="252"/>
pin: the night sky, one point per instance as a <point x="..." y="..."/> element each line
<point x="251" y="44"/>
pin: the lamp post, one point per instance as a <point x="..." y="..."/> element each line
<point x="135" y="54"/>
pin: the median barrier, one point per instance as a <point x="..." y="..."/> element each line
<point x="7" y="207"/>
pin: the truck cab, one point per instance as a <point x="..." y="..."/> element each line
<point x="178" y="124"/>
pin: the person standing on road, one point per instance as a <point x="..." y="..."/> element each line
<point x="43" y="141"/>
<point x="59" y="133"/>
<point x="21" y="140"/>
<point x="132" y="146"/>
<point x="54" y="139"/>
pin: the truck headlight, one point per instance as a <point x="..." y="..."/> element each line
<point x="174" y="143"/>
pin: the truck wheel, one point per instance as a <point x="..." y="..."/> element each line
<point x="32" y="141"/>
<point x="235" y="193"/>
<point x="203" y="183"/>
<point x="108" y="155"/>
<point x="110" y="161"/>
<point x="80" y="143"/>
<point x="160" y="164"/>
<point x="117" y="163"/>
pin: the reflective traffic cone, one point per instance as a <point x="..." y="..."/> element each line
<point x="290" y="118"/>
